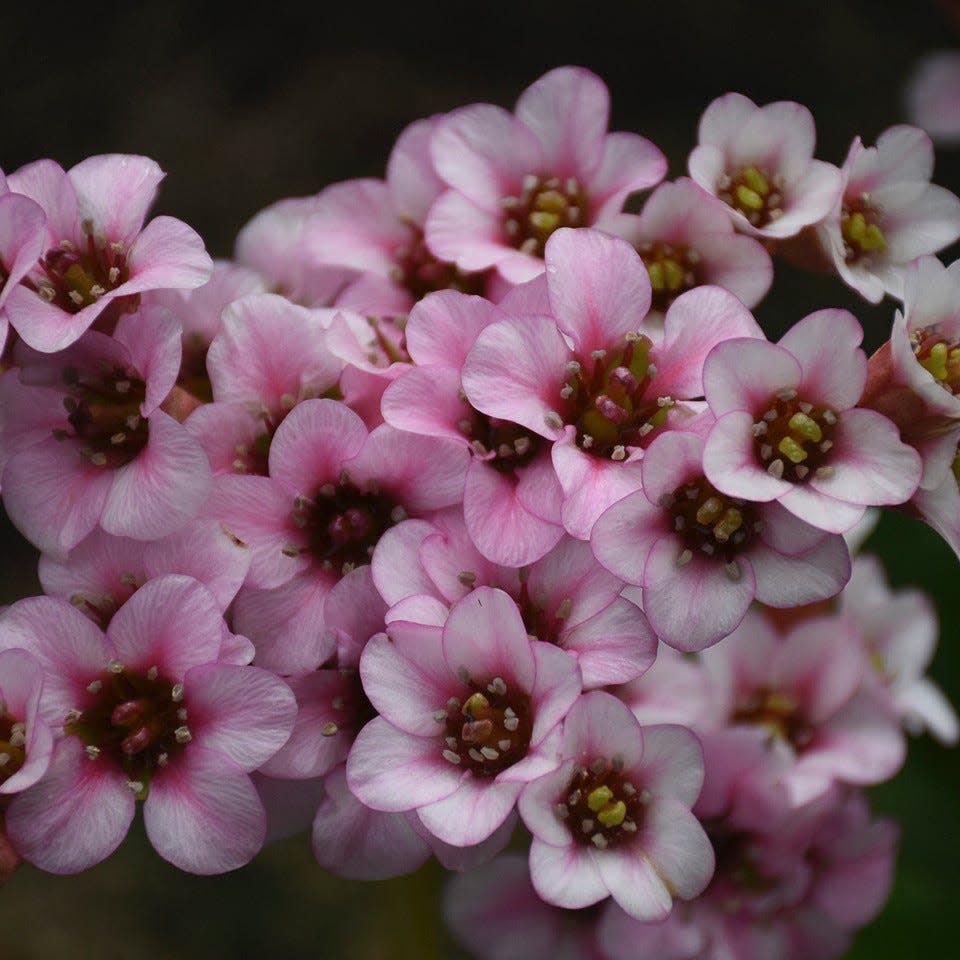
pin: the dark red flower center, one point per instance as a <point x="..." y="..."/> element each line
<point x="103" y="410"/>
<point x="543" y="205"/>
<point x="600" y="805"/>
<point x="343" y="524"/>
<point x="607" y="399"/>
<point x="75" y="277"/>
<point x="711" y="523"/>
<point x="138" y="720"/>
<point x="512" y="445"/>
<point x="792" y="438"/>
<point x="489" y="730"/>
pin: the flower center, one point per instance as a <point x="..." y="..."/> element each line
<point x="860" y="227"/>
<point x="777" y="712"/>
<point x="544" y="205"/>
<point x="600" y="805"/>
<point x="488" y="731"/>
<point x="938" y="355"/>
<point x="792" y="438"/>
<point x="608" y="406"/>
<point x="512" y="445"/>
<point x="76" y="277"/>
<point x="709" y="522"/>
<point x="753" y="192"/>
<point x="137" y="719"/>
<point x="13" y="739"/>
<point x="104" y="412"/>
<point x="420" y="272"/>
<point x="343" y="525"/>
<point x="673" y="269"/>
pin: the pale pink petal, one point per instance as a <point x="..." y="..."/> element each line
<point x="502" y="529"/>
<point x="818" y="574"/>
<point x="634" y="883"/>
<point x="411" y="180"/>
<point x="149" y="629"/>
<point x="76" y="816"/>
<point x="163" y="488"/>
<point x="694" y="324"/>
<point x="537" y="805"/>
<point x="460" y="232"/>
<point x="115" y="191"/>
<point x="568" y="110"/>
<point x="630" y="162"/>
<point x="515" y="371"/>
<point x="44" y="326"/>
<point x="393" y="573"/>
<point x="723" y="119"/>
<point x="483" y="152"/>
<point x="566" y="876"/>
<point x="558" y="684"/>
<point x="485" y="634"/>
<point x="426" y="400"/>
<point x="870" y="464"/>
<point x="624" y="535"/>
<point x="932" y="95"/>
<point x="242" y="712"/>
<point x="53" y="496"/>
<point x="167" y="254"/>
<point x="672" y="763"/>
<point x="152" y="337"/>
<point x="472" y="813"/>
<point x="408" y="680"/>
<point x="599" y="288"/>
<point x="744" y="375"/>
<point x="694" y="605"/>
<point x="392" y="771"/>
<point x="678" y="847"/>
<point x="443" y="327"/>
<point x="286" y="624"/>
<point x="820" y="509"/>
<point x="600" y="725"/>
<point x="203" y="814"/>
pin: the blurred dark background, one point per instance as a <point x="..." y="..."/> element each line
<point x="274" y="100"/>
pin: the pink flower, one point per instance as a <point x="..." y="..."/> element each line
<point x="586" y="379"/>
<point x="914" y="378"/>
<point x="89" y="444"/>
<point x="614" y="818"/>
<point x="788" y="428"/>
<point x="516" y="178"/>
<point x="148" y="712"/>
<point x="469" y="714"/>
<point x="98" y="251"/>
<point x="899" y="632"/>
<point x="889" y="213"/>
<point x="510" y="485"/>
<point x="702" y="557"/>
<point x="21" y="243"/>
<point x="759" y="161"/>
<point x="686" y="241"/>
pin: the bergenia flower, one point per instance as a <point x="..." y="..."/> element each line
<point x="788" y="428"/>
<point x="686" y="241"/>
<point x="933" y="96"/>
<point x="759" y="162"/>
<point x="469" y="714"/>
<point x="702" y="557"/>
<point x="148" y="712"/>
<point x="89" y="444"/>
<point x="586" y="379"/>
<point x="614" y="818"/>
<point x="889" y="213"/>
<point x="914" y="378"/>
<point x="22" y="236"/>
<point x="514" y="179"/>
<point x="98" y="253"/>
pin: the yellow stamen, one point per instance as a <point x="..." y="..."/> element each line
<point x="475" y="705"/>
<point x="709" y="510"/>
<point x="731" y="522"/>
<point x="806" y="427"/>
<point x="873" y="238"/>
<point x="613" y="815"/>
<point x="674" y="275"/>
<point x="597" y="799"/>
<point x="936" y="361"/>
<point x="792" y="450"/>
<point x="657" y="280"/>
<point x="749" y="198"/>
<point x="756" y="181"/>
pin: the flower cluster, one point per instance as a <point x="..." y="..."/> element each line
<point x="467" y="499"/>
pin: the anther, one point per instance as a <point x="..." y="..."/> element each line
<point x="475" y="755"/>
<point x="504" y="745"/>
<point x="686" y="555"/>
<point x="599" y="841"/>
<point x="450" y="756"/>
<point x="176" y="692"/>
<point x="489" y="753"/>
<point x="586" y="825"/>
<point x="732" y="570"/>
<point x="135" y="785"/>
<point x="598" y="766"/>
<point x="562" y="811"/>
<point x="564" y="608"/>
<point x="182" y="735"/>
<point x="787" y="393"/>
<point x="95" y="686"/>
<point x="775" y="469"/>
<point x="440" y="716"/>
<point x="823" y="473"/>
<point x="511" y="724"/>
<point x="467" y="577"/>
<point x="497" y="686"/>
<point x="115" y="666"/>
<point x="329" y="729"/>
<point x="92" y="752"/>
<point x="619" y="452"/>
<point x="553" y="420"/>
